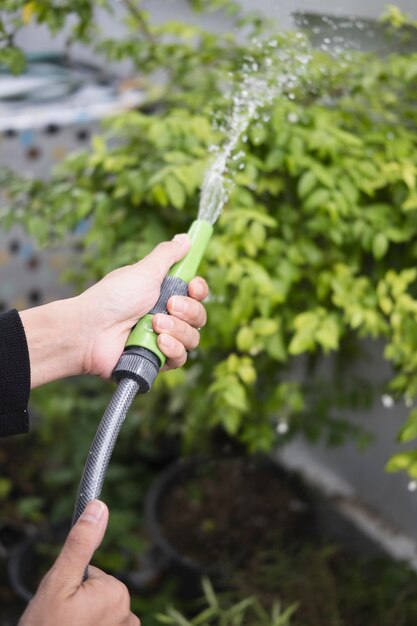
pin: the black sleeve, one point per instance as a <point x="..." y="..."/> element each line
<point x="14" y="375"/>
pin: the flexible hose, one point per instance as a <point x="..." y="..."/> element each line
<point x="137" y="369"/>
<point x="102" y="447"/>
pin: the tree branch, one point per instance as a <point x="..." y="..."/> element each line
<point x="137" y="14"/>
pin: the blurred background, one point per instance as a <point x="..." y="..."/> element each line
<point x="107" y="115"/>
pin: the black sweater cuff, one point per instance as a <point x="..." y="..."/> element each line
<point x="14" y="375"/>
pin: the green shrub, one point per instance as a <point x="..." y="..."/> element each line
<point x="317" y="245"/>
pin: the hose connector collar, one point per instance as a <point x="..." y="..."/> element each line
<point x="139" y="364"/>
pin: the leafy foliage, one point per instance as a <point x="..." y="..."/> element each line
<point x="332" y="585"/>
<point x="317" y="247"/>
<point x="247" y="611"/>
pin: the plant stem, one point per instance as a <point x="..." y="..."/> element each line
<point x="137" y="14"/>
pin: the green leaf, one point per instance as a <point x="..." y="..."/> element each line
<point x="265" y="327"/>
<point x="164" y="619"/>
<point x="410" y="204"/>
<point x="409" y="430"/>
<point x="30" y="506"/>
<point x="179" y="619"/>
<point x="235" y="397"/>
<point x="5" y="488"/>
<point x="231" y="420"/>
<point x="175" y="192"/>
<point x="318" y="199"/>
<point x="380" y="246"/>
<point x="400" y="462"/>
<point x="275" y="347"/>
<point x="348" y="189"/>
<point x="328" y="334"/>
<point x="246" y="371"/>
<point x="245" y="339"/>
<point x="210" y="596"/>
<point x="306" y="184"/>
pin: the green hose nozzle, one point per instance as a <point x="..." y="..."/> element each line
<point x="142" y="341"/>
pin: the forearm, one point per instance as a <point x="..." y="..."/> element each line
<point x="53" y="333"/>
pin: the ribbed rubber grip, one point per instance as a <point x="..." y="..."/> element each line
<point x="172" y="286"/>
<point x="143" y="335"/>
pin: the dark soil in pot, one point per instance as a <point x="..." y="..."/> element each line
<point x="215" y="515"/>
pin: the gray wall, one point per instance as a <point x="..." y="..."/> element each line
<point x="362" y="471"/>
<point x="35" y="39"/>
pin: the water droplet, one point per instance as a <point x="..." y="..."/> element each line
<point x="293" y="118"/>
<point x="281" y="73"/>
<point x="412" y="485"/>
<point x="282" y="428"/>
<point x="387" y="401"/>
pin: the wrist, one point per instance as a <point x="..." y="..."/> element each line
<point x="54" y="334"/>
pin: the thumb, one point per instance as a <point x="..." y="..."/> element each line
<point x="82" y="541"/>
<point x="163" y="257"/>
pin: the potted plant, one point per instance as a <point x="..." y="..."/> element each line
<point x="210" y="516"/>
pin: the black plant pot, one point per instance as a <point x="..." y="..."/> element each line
<point x="171" y="557"/>
<point x="32" y="557"/>
<point x="27" y="563"/>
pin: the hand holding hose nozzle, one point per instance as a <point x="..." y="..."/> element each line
<point x="137" y="369"/>
<point x="142" y="359"/>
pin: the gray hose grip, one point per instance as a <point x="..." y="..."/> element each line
<point x="139" y="363"/>
<point x="171" y="286"/>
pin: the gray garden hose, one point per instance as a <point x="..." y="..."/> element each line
<point x="137" y="370"/>
<point x="102" y="447"/>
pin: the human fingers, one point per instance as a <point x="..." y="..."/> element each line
<point x="82" y="541"/>
<point x="94" y="574"/>
<point x="165" y="255"/>
<point x="198" y="288"/>
<point x="188" y="310"/>
<point x="188" y="336"/>
<point x="174" y="351"/>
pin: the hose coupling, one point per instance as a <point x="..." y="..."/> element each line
<point x="139" y="364"/>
